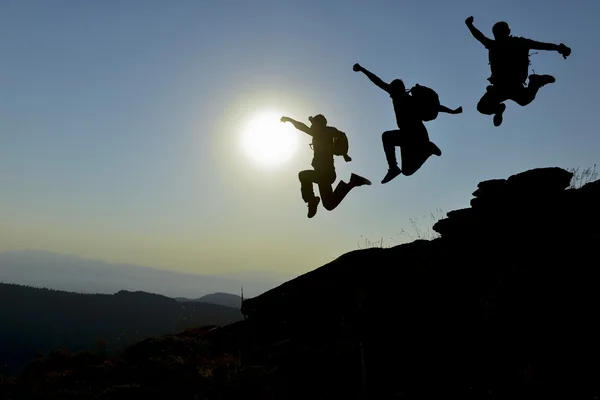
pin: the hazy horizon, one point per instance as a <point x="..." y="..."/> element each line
<point x="121" y="123"/>
<point x="74" y="273"/>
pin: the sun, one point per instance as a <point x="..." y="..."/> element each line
<point x="268" y="141"/>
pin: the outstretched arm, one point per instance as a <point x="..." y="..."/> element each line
<point x="446" y="110"/>
<point x="298" y="125"/>
<point x="374" y="78"/>
<point x="561" y="48"/>
<point x="477" y="33"/>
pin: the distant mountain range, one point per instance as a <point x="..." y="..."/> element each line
<point x="36" y="319"/>
<point x="82" y="275"/>
<point x="224" y="299"/>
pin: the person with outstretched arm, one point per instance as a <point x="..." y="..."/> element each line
<point x="509" y="63"/>
<point x="411" y="136"/>
<point x="324" y="141"/>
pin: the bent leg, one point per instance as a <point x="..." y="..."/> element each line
<point x="325" y="179"/>
<point x="489" y="104"/>
<point x="307" y="178"/>
<point x="525" y="95"/>
<point x="413" y="157"/>
<point x="333" y="199"/>
<point x="391" y="139"/>
<point x="417" y="151"/>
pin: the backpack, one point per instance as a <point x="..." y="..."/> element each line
<point x="427" y="102"/>
<point x="340" y="143"/>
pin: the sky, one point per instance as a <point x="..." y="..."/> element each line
<point x="121" y="123"/>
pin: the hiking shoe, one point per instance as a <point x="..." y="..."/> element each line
<point x="391" y="174"/>
<point x="498" y="116"/>
<point x="358" y="180"/>
<point x="312" y="206"/>
<point x="434" y="149"/>
<point x="540" y="80"/>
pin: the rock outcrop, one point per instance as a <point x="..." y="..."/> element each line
<point x="513" y="208"/>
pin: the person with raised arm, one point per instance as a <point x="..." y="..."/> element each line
<point x="509" y="63"/>
<point x="412" y="108"/>
<point x="327" y="142"/>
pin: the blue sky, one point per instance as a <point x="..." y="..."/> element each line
<point x="121" y="122"/>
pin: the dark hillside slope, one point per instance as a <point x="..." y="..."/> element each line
<point x="509" y="292"/>
<point x="41" y="319"/>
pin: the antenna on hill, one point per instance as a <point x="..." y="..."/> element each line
<point x="242" y="302"/>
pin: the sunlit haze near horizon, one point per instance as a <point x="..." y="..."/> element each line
<point x="123" y="125"/>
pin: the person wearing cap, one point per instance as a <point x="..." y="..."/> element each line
<point x="323" y="172"/>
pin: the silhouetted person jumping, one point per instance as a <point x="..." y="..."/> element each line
<point x="509" y="64"/>
<point x="327" y="142"/>
<point x="412" y="107"/>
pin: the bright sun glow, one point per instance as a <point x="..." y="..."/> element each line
<point x="269" y="141"/>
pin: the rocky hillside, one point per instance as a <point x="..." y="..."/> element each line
<point x="502" y="305"/>
<point x="506" y="298"/>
